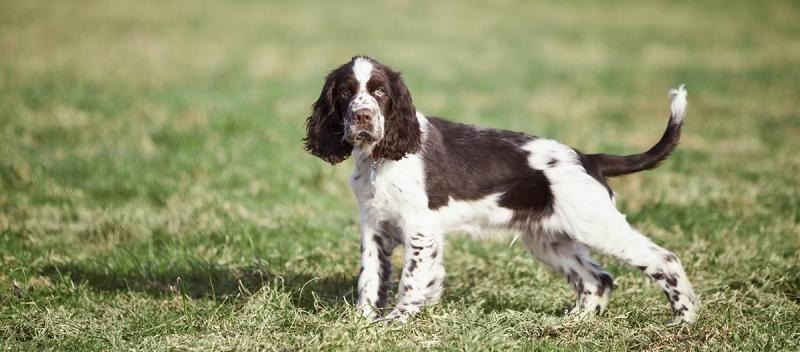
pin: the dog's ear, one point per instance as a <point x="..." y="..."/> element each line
<point x="325" y="127"/>
<point x="402" y="133"/>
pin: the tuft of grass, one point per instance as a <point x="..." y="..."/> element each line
<point x="154" y="194"/>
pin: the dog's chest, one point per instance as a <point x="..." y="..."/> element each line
<point x="398" y="187"/>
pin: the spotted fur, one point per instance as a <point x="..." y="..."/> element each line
<point x="428" y="177"/>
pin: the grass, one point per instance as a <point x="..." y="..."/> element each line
<point x="154" y="194"/>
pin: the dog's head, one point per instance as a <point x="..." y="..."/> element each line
<point x="365" y="105"/>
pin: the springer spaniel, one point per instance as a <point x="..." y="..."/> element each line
<point x="418" y="177"/>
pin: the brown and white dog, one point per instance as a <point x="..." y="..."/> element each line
<point x="418" y="177"/>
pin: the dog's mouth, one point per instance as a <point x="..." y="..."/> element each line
<point x="364" y="137"/>
<point x="361" y="138"/>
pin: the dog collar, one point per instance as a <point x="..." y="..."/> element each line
<point x="373" y="167"/>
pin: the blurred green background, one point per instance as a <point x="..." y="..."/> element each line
<point x="154" y="193"/>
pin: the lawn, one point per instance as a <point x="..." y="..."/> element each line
<point x="155" y="195"/>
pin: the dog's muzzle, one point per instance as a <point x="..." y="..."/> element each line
<point x="365" y="136"/>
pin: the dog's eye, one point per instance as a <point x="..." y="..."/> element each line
<point x="345" y="93"/>
<point x="379" y="92"/>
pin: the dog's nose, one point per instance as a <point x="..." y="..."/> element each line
<point x="363" y="116"/>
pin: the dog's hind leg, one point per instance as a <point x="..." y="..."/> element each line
<point x="584" y="209"/>
<point x="588" y="215"/>
<point x="661" y="265"/>
<point x="571" y="259"/>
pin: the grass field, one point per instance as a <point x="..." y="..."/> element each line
<point x="155" y="195"/>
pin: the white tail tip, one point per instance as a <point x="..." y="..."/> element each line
<point x="677" y="109"/>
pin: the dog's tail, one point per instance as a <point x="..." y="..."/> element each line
<point x="618" y="165"/>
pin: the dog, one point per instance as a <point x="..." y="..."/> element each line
<point x="418" y="177"/>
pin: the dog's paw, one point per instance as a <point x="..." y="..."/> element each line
<point x="399" y="314"/>
<point x="687" y="314"/>
<point x="366" y="311"/>
<point x="579" y="314"/>
<point x="588" y="306"/>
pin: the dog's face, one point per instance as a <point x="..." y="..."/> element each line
<point x="364" y="105"/>
<point x="364" y="101"/>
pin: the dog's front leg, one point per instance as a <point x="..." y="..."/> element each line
<point x="423" y="271"/>
<point x="376" y="267"/>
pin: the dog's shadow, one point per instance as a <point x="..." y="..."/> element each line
<point x="209" y="282"/>
<point x="221" y="283"/>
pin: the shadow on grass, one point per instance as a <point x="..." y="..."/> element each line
<point x="217" y="282"/>
<point x="214" y="282"/>
<point x="498" y="302"/>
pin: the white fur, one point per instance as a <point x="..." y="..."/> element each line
<point x="399" y="187"/>
<point x="362" y="69"/>
<point x="398" y="196"/>
<point x="678" y="104"/>
<point x="473" y="216"/>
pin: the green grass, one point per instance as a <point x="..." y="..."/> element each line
<point x="154" y="193"/>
